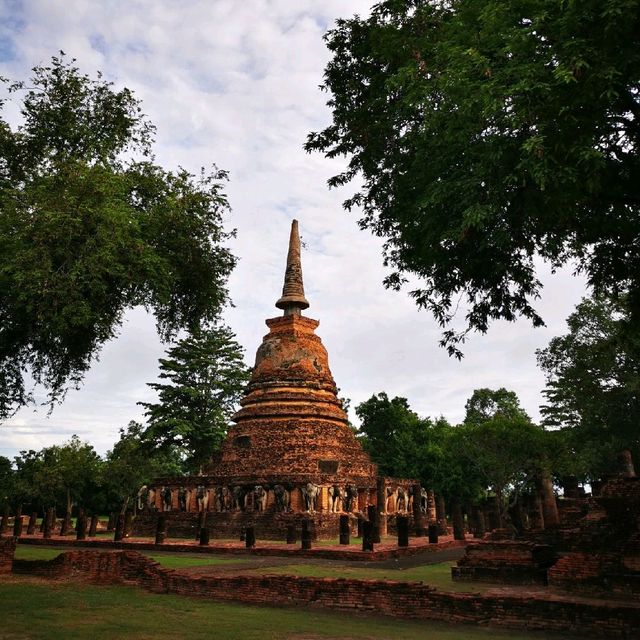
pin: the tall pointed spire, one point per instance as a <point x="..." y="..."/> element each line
<point x="293" y="300"/>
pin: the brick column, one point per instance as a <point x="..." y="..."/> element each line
<point x="441" y="515"/>
<point x="7" y="551"/>
<point x="17" y="522"/>
<point x="431" y="507"/>
<point x="418" y="521"/>
<point x="381" y="499"/>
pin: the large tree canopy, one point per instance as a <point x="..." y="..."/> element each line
<point x="486" y="133"/>
<point x="405" y="445"/>
<point x="593" y="384"/>
<point x="90" y="227"/>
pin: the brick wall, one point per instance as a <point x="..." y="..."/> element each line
<point x="7" y="551"/>
<point x="590" y="573"/>
<point x="401" y="599"/>
<point x="508" y="561"/>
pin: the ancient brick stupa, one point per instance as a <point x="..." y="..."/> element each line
<point x="291" y="453"/>
<point x="292" y="427"/>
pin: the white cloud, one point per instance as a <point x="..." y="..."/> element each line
<point x="236" y="84"/>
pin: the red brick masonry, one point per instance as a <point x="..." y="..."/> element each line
<point x="7" y="550"/>
<point x="550" y="613"/>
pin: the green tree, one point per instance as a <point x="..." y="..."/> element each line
<point x="383" y="422"/>
<point x="404" y="445"/>
<point x="500" y="442"/>
<point x="205" y="376"/>
<point x="486" y="404"/>
<point x="131" y="463"/>
<point x="60" y="475"/>
<point x="91" y="227"/>
<point x="7" y="481"/>
<point x="593" y="384"/>
<point x="486" y="133"/>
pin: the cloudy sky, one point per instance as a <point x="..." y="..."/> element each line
<point x="236" y="84"/>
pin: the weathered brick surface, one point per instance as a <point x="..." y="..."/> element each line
<point x="267" y="525"/>
<point x="598" y="543"/>
<point x="291" y="421"/>
<point x="514" y="562"/>
<point x="599" y="573"/>
<point x="401" y="599"/>
<point x="290" y="431"/>
<point x="7" y="551"/>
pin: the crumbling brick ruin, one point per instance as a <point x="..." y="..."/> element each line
<point x="556" y="614"/>
<point x="594" y="548"/>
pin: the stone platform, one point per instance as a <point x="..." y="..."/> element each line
<point x="387" y="550"/>
<point x="267" y="525"/>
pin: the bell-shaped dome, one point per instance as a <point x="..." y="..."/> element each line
<point x="291" y="426"/>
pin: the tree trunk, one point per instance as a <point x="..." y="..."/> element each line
<point x="119" y="530"/>
<point x="479" y="530"/>
<point x="441" y="515"/>
<point x="31" y="528"/>
<point x="537" y="517"/>
<point x="4" y="523"/>
<point x="458" y="519"/>
<point x="66" y="522"/>
<point x="81" y="526"/>
<point x="128" y="523"/>
<point x="549" y="505"/>
<point x="498" y="508"/>
<point x="48" y="523"/>
<point x="17" y="522"/>
<point x="93" y="527"/>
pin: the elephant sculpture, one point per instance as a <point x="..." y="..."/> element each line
<point x="350" y="498"/>
<point x="310" y="496"/>
<point x="238" y="496"/>
<point x="224" y="501"/>
<point x="402" y="500"/>
<point x="283" y="498"/>
<point x="259" y="498"/>
<point x="165" y="494"/>
<point x="202" y="498"/>
<point x="142" y="497"/>
<point x="183" y="498"/>
<point x="337" y="498"/>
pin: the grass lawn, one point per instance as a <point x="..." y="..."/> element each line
<point x="437" y="575"/>
<point x="180" y="561"/>
<point x="28" y="552"/>
<point x="37" y="610"/>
